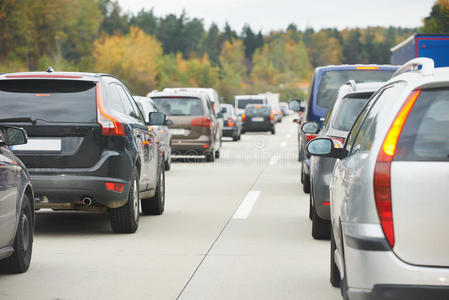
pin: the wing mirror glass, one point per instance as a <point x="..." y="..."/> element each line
<point x="325" y="147"/>
<point x="156" y="118"/>
<point x="294" y="105"/>
<point x="15" y="136"/>
<point x="310" y="128"/>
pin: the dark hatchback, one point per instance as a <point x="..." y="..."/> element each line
<point x="258" y="118"/>
<point x="89" y="146"/>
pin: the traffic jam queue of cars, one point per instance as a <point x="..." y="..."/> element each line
<point x="376" y="151"/>
<point x="89" y="145"/>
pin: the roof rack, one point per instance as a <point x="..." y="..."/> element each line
<point x="423" y="65"/>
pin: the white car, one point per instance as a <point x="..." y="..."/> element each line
<point x="389" y="191"/>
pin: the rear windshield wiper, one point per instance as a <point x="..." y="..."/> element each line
<point x="19" y="120"/>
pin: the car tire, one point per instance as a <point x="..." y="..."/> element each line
<point x="156" y="204"/>
<point x="209" y="157"/>
<point x="320" y="227"/>
<point x="305" y="181"/>
<point x="167" y="164"/>
<point x="20" y="260"/>
<point x="125" y="219"/>
<point x="310" y="206"/>
<point x="217" y="154"/>
<point x="335" y="278"/>
<point x="235" y="138"/>
<point x="273" y="131"/>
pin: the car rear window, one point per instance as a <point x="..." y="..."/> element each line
<point x="254" y="110"/>
<point x="425" y="136"/>
<point x="242" y="103"/>
<point x="179" y="106"/>
<point x="331" y="81"/>
<point x="348" y="111"/>
<point x="54" y="101"/>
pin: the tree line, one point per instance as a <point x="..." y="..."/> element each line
<point x="152" y="52"/>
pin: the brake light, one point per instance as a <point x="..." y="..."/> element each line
<point x="44" y="76"/>
<point x="231" y="122"/>
<point x="243" y="118"/>
<point x="327" y="203"/>
<point x="367" y="68"/>
<point x="114" y="186"/>
<point x="257" y="106"/>
<point x="271" y="117"/>
<point x="201" y="122"/>
<point x="310" y="137"/>
<point x="109" y="125"/>
<point x="382" y="170"/>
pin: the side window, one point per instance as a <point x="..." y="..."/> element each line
<point x="133" y="103"/>
<point x="112" y="99"/>
<point x="355" y="128"/>
<point x="129" y="109"/>
<point x="209" y="106"/>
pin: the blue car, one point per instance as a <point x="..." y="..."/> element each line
<point x="322" y="92"/>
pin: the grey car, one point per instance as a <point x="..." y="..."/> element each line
<point x="350" y="100"/>
<point x="148" y="106"/>
<point x="389" y="191"/>
<point x="16" y="205"/>
<point x="232" y="122"/>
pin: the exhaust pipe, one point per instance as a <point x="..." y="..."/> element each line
<point x="87" y="201"/>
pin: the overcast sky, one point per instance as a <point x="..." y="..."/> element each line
<point x="268" y="15"/>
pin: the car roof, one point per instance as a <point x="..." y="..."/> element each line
<point x="54" y="75"/>
<point x="351" y="87"/>
<point x="177" y="93"/>
<point x="355" y="67"/>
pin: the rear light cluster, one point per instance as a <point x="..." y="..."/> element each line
<point x="231" y="122"/>
<point x="109" y="124"/>
<point x="271" y="117"/>
<point x="243" y="118"/>
<point x="382" y="170"/>
<point x="310" y="137"/>
<point x="201" y="122"/>
<point x="114" y="186"/>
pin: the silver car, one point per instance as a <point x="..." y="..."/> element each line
<point x="389" y="191"/>
<point x="148" y="106"/>
<point x="344" y="110"/>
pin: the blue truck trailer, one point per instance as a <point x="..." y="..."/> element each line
<point x="422" y="45"/>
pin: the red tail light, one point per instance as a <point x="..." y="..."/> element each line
<point x="382" y="170"/>
<point x="109" y="125"/>
<point x="243" y="118"/>
<point x="231" y="122"/>
<point x="271" y="117"/>
<point x="201" y="122"/>
<point x="310" y="137"/>
<point x="114" y="186"/>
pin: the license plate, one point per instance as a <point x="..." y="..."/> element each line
<point x="257" y="119"/>
<point x="52" y="145"/>
<point x="178" y="131"/>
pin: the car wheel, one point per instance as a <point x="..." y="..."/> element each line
<point x="125" y="219"/>
<point x="310" y="206"/>
<point x="167" y="164"/>
<point x="335" y="278"/>
<point x="273" y="131"/>
<point x="305" y="182"/>
<point x="236" y="137"/>
<point x="156" y="204"/>
<point x="209" y="157"/>
<point x="320" y="227"/>
<point x="20" y="260"/>
<point x="217" y="154"/>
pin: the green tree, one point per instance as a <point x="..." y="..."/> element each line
<point x="146" y="20"/>
<point x="114" y="20"/>
<point x="438" y="21"/>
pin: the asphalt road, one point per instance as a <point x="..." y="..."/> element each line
<point x="234" y="229"/>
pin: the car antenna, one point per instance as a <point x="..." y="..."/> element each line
<point x="50" y="69"/>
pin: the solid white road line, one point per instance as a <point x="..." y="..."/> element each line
<point x="247" y="205"/>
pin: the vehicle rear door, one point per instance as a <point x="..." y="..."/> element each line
<point x="420" y="182"/>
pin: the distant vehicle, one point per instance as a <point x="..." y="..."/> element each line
<point x="148" y="106"/>
<point x="434" y="46"/>
<point x="232" y="122"/>
<point x="215" y="100"/>
<point x="389" y="190"/>
<point x="284" y="109"/>
<point x="89" y="146"/>
<point x="16" y="206"/>
<point x="258" y="118"/>
<point x="273" y="101"/>
<point x="241" y="101"/>
<point x="339" y="120"/>
<point x="194" y="129"/>
<point x="323" y="90"/>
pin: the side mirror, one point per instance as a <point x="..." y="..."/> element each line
<point x="14" y="136"/>
<point x="294" y="105"/>
<point x="156" y="118"/>
<point x="168" y="122"/>
<point x="325" y="147"/>
<point x="310" y="128"/>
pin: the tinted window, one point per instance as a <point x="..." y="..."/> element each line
<point x="66" y="101"/>
<point x="242" y="103"/>
<point x="425" y="136"/>
<point x="331" y="81"/>
<point x="348" y="111"/>
<point x="255" y="110"/>
<point x="179" y="106"/>
<point x="113" y="99"/>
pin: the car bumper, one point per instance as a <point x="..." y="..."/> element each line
<point x="375" y="272"/>
<point x="230" y="131"/>
<point x="259" y="126"/>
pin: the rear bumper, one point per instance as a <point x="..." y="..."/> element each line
<point x="230" y="131"/>
<point x="55" y="190"/>
<point x="375" y="272"/>
<point x="258" y="126"/>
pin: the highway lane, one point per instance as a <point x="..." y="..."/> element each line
<point x="234" y="229"/>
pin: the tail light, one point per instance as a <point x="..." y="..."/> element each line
<point x="231" y="122"/>
<point x="271" y="117"/>
<point x="243" y="118"/>
<point x="201" y="122"/>
<point x="310" y="137"/>
<point x="382" y="170"/>
<point x="109" y="124"/>
<point x="114" y="186"/>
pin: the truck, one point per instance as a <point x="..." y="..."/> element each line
<point x="241" y="101"/>
<point x="434" y="46"/>
<point x="273" y="101"/>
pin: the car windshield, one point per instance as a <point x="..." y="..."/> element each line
<point x="348" y="111"/>
<point x="242" y="103"/>
<point x="258" y="110"/>
<point x="54" y="101"/>
<point x="179" y="106"/>
<point x="332" y="81"/>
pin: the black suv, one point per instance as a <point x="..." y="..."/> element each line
<point x="89" y="146"/>
<point x="258" y="117"/>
